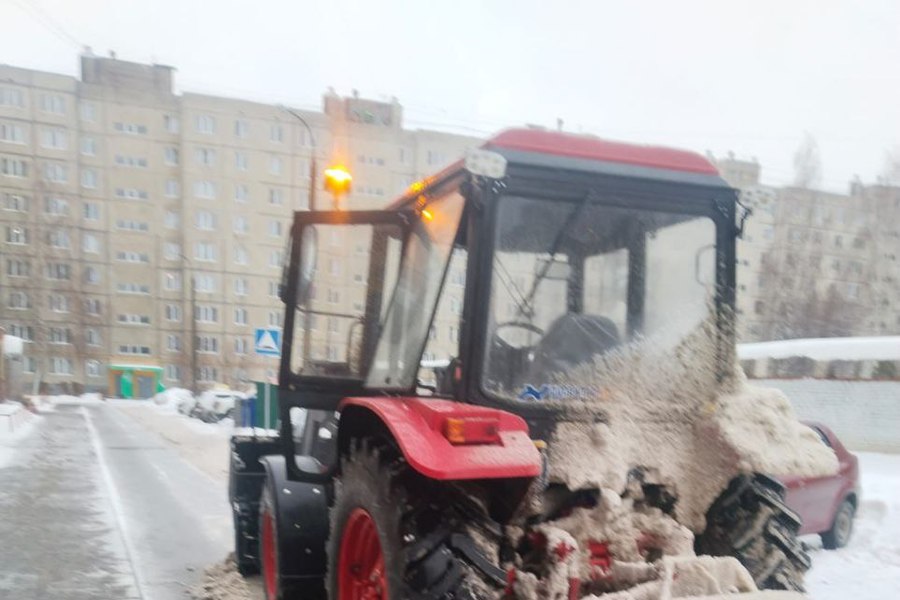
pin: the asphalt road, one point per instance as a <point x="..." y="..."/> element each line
<point x="96" y="507"/>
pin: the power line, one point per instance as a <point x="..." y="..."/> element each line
<point x="53" y="26"/>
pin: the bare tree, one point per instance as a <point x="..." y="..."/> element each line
<point x="807" y="163"/>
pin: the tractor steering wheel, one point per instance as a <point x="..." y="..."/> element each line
<point x="498" y="339"/>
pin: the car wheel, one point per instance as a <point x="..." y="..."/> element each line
<point x="841" y="529"/>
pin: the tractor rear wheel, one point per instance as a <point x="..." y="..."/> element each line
<point x="395" y="536"/>
<point x="751" y="522"/>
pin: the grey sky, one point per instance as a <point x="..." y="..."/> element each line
<point x="747" y="76"/>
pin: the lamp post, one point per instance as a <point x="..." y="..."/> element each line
<point x="193" y="309"/>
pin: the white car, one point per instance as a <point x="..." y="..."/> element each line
<point x="214" y="405"/>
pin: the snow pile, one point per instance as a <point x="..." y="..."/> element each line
<point x="222" y="581"/>
<point x="854" y="348"/>
<point x="173" y="398"/>
<point x="669" y="413"/>
<point x="11" y="437"/>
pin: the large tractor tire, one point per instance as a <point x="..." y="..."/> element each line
<point x="751" y="522"/>
<point x="394" y="535"/>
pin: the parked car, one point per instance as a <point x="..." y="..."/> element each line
<point x="827" y="505"/>
<point x="214" y="405"/>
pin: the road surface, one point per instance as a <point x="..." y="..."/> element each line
<point x="97" y="507"/>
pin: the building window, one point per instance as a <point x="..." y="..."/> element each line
<point x="90" y="243"/>
<point x="172" y="250"/>
<point x="241" y="226"/>
<point x="205" y="220"/>
<point x="55" y="206"/>
<point x="53" y="103"/>
<point x="91" y="275"/>
<point x="240" y="345"/>
<point x="54" y="138"/>
<point x="92" y="368"/>
<point x="275" y="318"/>
<point x="131" y="161"/>
<point x="60" y="366"/>
<point x="133" y="288"/>
<point x="275" y="197"/>
<point x="18" y="268"/>
<point x="131" y="225"/>
<point x="26" y="332"/>
<point x="240" y="255"/>
<point x="130" y="256"/>
<point x="59" y="271"/>
<point x="93" y="307"/>
<point x="204" y="189"/>
<point x="240" y="161"/>
<point x="88" y="146"/>
<point x="12" y="134"/>
<point x="92" y="337"/>
<point x="274" y="288"/>
<point x="15" y="203"/>
<point x="240" y="286"/>
<point x="91" y="211"/>
<point x="276" y="133"/>
<point x="133" y="319"/>
<point x="56" y="172"/>
<point x="18" y="301"/>
<point x="240" y="316"/>
<point x="171" y="220"/>
<point x="241" y="193"/>
<point x="173" y="190"/>
<point x="170" y="156"/>
<point x="208" y="344"/>
<point x="172" y="281"/>
<point x="131" y="194"/>
<point x="241" y="128"/>
<point x="276" y="258"/>
<point x="206" y="157"/>
<point x="205" y="251"/>
<point x="134" y="349"/>
<point x="853" y="291"/>
<point x="173" y="343"/>
<point x="275" y="228"/>
<point x="59" y="335"/>
<point x="275" y="165"/>
<point x="58" y="303"/>
<point x="130" y="128"/>
<point x="173" y="313"/>
<point x="207" y="374"/>
<point x="88" y="178"/>
<point x="206" y="283"/>
<point x="173" y="372"/>
<point x="205" y="124"/>
<point x="11" y="97"/>
<point x="16" y="235"/>
<point x="171" y="123"/>
<point x="13" y="167"/>
<point x="88" y="112"/>
<point x="206" y="314"/>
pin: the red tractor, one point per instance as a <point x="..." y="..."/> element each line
<point x="574" y="442"/>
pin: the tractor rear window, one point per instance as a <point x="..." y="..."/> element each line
<point x="576" y="280"/>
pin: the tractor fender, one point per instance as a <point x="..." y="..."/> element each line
<point x="301" y="515"/>
<point x="417" y="426"/>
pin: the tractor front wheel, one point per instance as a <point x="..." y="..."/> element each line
<point x="392" y="534"/>
<point x="751" y="522"/>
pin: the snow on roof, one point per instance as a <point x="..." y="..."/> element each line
<point x="852" y="348"/>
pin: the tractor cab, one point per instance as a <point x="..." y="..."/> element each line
<point x="449" y="369"/>
<point x="552" y="249"/>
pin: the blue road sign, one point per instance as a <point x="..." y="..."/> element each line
<point x="268" y="342"/>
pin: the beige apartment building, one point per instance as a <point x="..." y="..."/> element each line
<point x="134" y="217"/>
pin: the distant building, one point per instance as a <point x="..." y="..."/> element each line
<point x="118" y="196"/>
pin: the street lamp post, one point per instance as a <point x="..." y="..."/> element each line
<point x="307" y="317"/>
<point x="193" y="361"/>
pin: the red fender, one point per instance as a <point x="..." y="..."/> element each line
<point x="418" y="425"/>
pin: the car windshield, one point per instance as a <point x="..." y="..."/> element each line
<point x="576" y="280"/>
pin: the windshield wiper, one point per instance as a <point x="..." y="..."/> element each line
<point x="525" y="308"/>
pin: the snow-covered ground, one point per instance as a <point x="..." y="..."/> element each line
<point x="869" y="567"/>
<point x="10" y="437"/>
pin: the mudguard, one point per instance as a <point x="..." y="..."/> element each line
<point x="245" y="480"/>
<point x="302" y="518"/>
<point x="417" y="425"/>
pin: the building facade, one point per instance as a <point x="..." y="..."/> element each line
<point x="144" y="231"/>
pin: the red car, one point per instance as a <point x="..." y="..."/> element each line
<point x="827" y="505"/>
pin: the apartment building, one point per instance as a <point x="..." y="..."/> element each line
<point x="144" y="230"/>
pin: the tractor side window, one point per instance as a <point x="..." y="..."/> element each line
<point x="425" y="259"/>
<point x="350" y="270"/>
<point x="443" y="337"/>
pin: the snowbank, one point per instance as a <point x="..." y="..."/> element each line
<point x="11" y="438"/>
<point x="173" y="399"/>
<point x="852" y="348"/>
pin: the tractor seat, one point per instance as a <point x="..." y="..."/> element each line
<point x="571" y="340"/>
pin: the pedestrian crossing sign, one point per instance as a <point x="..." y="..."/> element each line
<point x="268" y="342"/>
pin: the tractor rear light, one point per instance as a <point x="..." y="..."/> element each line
<point x="472" y="430"/>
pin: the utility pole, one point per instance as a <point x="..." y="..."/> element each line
<point x="193" y="308"/>
<point x="307" y="315"/>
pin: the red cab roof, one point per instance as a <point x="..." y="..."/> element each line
<point x="592" y="148"/>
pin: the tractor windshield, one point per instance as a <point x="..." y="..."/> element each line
<point x="576" y="280"/>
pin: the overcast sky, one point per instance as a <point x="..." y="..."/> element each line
<point x="748" y="76"/>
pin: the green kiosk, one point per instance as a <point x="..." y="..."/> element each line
<point x="135" y="381"/>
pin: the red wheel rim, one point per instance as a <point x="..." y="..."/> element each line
<point x="270" y="576"/>
<point x="361" y="573"/>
